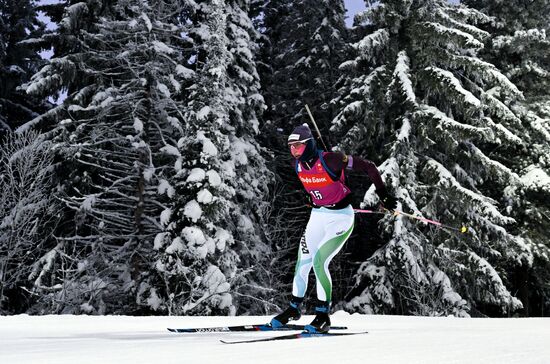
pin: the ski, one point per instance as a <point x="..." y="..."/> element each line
<point x="300" y="335"/>
<point x="242" y="328"/>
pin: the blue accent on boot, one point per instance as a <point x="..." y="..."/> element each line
<point x="294" y="305"/>
<point x="276" y="324"/>
<point x="321" y="323"/>
<point x="323" y="309"/>
<point x="310" y="329"/>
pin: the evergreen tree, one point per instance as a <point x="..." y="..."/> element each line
<point x="210" y="260"/>
<point x="419" y="85"/>
<point x="519" y="45"/>
<point x="62" y="75"/>
<point x="19" y="60"/>
<point x="28" y="215"/>
<point x="117" y="142"/>
<point x="306" y="45"/>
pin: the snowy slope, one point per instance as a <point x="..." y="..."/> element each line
<point x="391" y="339"/>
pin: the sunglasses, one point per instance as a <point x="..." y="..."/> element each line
<point x="297" y="149"/>
<point x="297" y="145"/>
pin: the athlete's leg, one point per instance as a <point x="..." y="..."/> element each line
<point x="336" y="232"/>
<point x="304" y="263"/>
<point x="337" y="229"/>
<point x="306" y="252"/>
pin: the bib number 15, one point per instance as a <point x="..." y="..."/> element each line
<point x="316" y="195"/>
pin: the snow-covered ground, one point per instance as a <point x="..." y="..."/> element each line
<point x="391" y="339"/>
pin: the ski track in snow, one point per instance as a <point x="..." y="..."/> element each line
<point x="70" y="339"/>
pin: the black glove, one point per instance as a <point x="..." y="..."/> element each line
<point x="388" y="201"/>
<point x="309" y="200"/>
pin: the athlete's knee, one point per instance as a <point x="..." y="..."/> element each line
<point x="318" y="263"/>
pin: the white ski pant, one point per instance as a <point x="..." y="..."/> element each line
<point x="326" y="233"/>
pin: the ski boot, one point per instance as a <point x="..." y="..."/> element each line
<point x="321" y="322"/>
<point x="293" y="312"/>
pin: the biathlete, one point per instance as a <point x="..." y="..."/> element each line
<point x="330" y="224"/>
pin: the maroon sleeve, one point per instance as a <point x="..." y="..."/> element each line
<point x="338" y="161"/>
<point x="368" y="167"/>
<point x="335" y="162"/>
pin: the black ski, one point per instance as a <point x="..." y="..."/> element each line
<point x="241" y="328"/>
<point x="300" y="335"/>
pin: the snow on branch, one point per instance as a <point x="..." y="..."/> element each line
<point x="495" y="168"/>
<point x="444" y="123"/>
<point x="28" y="209"/>
<point x="401" y="77"/>
<point x="498" y="108"/>
<point x="147" y="22"/>
<point x="466" y="39"/>
<point x="536" y="178"/>
<point x="497" y="293"/>
<point x="371" y="45"/>
<point x="348" y="66"/>
<point x="44" y="266"/>
<point x="487" y="72"/>
<point x="448" y="293"/>
<point x="480" y="203"/>
<point x="216" y="290"/>
<point x="72" y="15"/>
<point x="351" y="110"/>
<point x="52" y="113"/>
<point x="59" y="72"/>
<point x="521" y="39"/>
<point x="468" y="14"/>
<point x="400" y="248"/>
<point x="361" y="92"/>
<point x="452" y="83"/>
<point x="380" y="290"/>
<point x="542" y="126"/>
<point x="531" y="67"/>
<point x="501" y="132"/>
<point x="475" y="31"/>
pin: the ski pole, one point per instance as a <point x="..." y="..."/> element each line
<point x="463" y="229"/>
<point x="316" y="128"/>
<point x="361" y="211"/>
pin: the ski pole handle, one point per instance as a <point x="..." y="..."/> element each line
<point x="316" y="128"/>
<point x="361" y="211"/>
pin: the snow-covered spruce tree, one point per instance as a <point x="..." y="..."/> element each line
<point x="28" y="215"/>
<point x="19" y="60"/>
<point x="211" y="259"/>
<point x="520" y="46"/>
<point x="420" y="87"/>
<point x="117" y="142"/>
<point x="61" y="75"/>
<point x="306" y="44"/>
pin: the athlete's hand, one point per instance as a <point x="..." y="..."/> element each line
<point x="309" y="200"/>
<point x="388" y="201"/>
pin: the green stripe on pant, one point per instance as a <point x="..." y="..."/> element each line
<point x="325" y="252"/>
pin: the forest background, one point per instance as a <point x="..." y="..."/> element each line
<point x="144" y="167"/>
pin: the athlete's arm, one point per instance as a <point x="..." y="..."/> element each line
<point x="337" y="161"/>
<point x="366" y="166"/>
